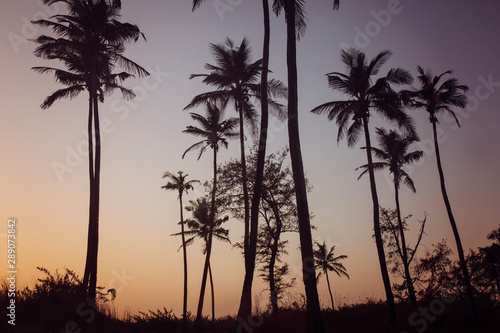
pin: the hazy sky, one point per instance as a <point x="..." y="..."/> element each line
<point x="142" y="139"/>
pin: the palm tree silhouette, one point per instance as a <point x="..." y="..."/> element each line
<point x="325" y="261"/>
<point x="178" y="183"/>
<point x="394" y="156"/>
<point x="90" y="42"/>
<point x="366" y="96"/>
<point x="199" y="227"/>
<point x="215" y="131"/>
<point x="437" y="98"/>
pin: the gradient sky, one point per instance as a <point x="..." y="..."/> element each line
<point x="142" y="139"/>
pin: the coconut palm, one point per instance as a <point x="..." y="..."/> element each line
<point x="394" y="156"/>
<point x="325" y="261"/>
<point x="200" y="227"/>
<point x="438" y="98"/>
<point x="90" y="41"/>
<point x="295" y="21"/>
<point x="178" y="183"/>
<point x="215" y="131"/>
<point x="366" y="96"/>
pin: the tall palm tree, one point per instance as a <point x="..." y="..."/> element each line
<point x="200" y="227"/>
<point x="394" y="156"/>
<point x="366" y="96"/>
<point x="295" y="21"/>
<point x="178" y="183"/>
<point x="437" y="98"/>
<point x="90" y="42"/>
<point x="325" y="261"/>
<point x="215" y="131"/>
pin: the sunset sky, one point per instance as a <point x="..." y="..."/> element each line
<point x="142" y="139"/>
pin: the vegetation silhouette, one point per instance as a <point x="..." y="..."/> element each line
<point x="90" y="41"/>
<point x="215" y="131"/>
<point x="394" y="156"/>
<point x="364" y="97"/>
<point x="325" y="261"/>
<point x="181" y="185"/>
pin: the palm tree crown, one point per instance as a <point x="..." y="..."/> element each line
<point x="357" y="83"/>
<point x="394" y="155"/>
<point x="325" y="260"/>
<point x="213" y="129"/>
<point x="436" y="98"/>
<point x="178" y="182"/>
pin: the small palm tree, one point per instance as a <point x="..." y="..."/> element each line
<point x="394" y="156"/>
<point x="200" y="227"/>
<point x="437" y="98"/>
<point x="178" y="183"/>
<point x="215" y="131"/>
<point x="325" y="261"/>
<point x="352" y="117"/>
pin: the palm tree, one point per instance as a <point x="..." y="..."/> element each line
<point x="215" y="131"/>
<point x="200" y="227"/>
<point x="325" y="261"/>
<point x="366" y="96"/>
<point x="295" y="20"/>
<point x="437" y="98"/>
<point x="394" y="156"/>
<point x="90" y="42"/>
<point x="178" y="183"/>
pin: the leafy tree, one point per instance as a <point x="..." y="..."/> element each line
<point x="215" y="131"/>
<point x="437" y="98"/>
<point x="90" y="41"/>
<point x="200" y="227"/>
<point x="394" y="156"/>
<point x="366" y="96"/>
<point x="178" y="183"/>
<point x="325" y="261"/>
<point x="390" y="227"/>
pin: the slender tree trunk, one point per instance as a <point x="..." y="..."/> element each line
<point x="212" y="291"/>
<point x="272" y="282"/>
<point x="244" y="182"/>
<point x="199" y="312"/>
<point x="184" y="255"/>
<point x="245" y="308"/>
<point x="329" y="289"/>
<point x="376" y="228"/>
<point x="409" y="281"/>
<point x="314" y="320"/>
<point x="460" y="250"/>
<point x="86" y="274"/>
<point x="95" y="201"/>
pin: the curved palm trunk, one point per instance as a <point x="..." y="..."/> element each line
<point x="329" y="289"/>
<point x="376" y="228"/>
<point x="245" y="309"/>
<point x="86" y="274"/>
<point x="197" y="322"/>
<point x="409" y="281"/>
<point x="314" y="320"/>
<point x="184" y="256"/>
<point x="212" y="290"/>
<point x="460" y="250"/>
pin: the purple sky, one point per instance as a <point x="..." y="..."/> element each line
<point x="143" y="139"/>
